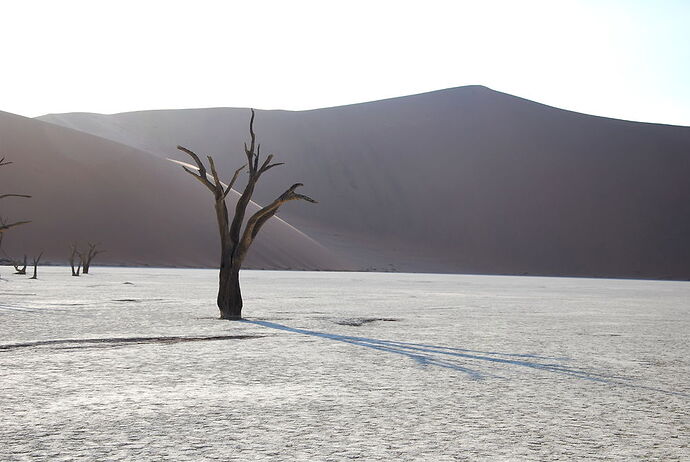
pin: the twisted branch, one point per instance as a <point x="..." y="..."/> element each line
<point x="5" y="226"/>
<point x="256" y="222"/>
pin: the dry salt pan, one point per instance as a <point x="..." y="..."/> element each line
<point x="335" y="366"/>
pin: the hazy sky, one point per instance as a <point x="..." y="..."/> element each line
<point x="625" y="59"/>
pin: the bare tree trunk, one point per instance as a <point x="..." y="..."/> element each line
<point x="73" y="259"/>
<point x="36" y="260"/>
<point x="229" y="293"/>
<point x="229" y="299"/>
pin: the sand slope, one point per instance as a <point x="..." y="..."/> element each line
<point x="459" y="180"/>
<point x="142" y="209"/>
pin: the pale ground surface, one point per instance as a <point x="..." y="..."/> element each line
<point x="472" y="368"/>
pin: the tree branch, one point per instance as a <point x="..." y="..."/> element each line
<point x="268" y="167"/>
<point x="252" y="156"/>
<point x="260" y="223"/>
<point x="232" y="182"/>
<point x="241" y="209"/>
<point x="5" y="227"/>
<point x="93" y="251"/>
<point x="252" y="163"/>
<point x="192" y="154"/>
<point x="200" y="165"/>
<point x="203" y="181"/>
<point x="257" y="220"/>
<point x="251" y="131"/>
<point x="265" y="164"/>
<point x="218" y="190"/>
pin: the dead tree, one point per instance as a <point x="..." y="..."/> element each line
<point x="73" y="259"/>
<point x="36" y="260"/>
<point x="19" y="269"/>
<point x="86" y="258"/>
<point x="4" y="226"/>
<point x="235" y="241"/>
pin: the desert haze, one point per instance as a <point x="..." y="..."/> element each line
<point x="464" y="180"/>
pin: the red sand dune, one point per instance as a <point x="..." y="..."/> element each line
<point x="459" y="180"/>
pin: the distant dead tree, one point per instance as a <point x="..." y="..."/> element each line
<point x="36" y="260"/>
<point x="234" y="241"/>
<point x="88" y="256"/>
<point x="73" y="259"/>
<point x="4" y="226"/>
<point x="19" y="269"/>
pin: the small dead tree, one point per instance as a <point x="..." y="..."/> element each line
<point x="19" y="269"/>
<point x="86" y="258"/>
<point x="4" y="226"/>
<point x="36" y="260"/>
<point x="74" y="260"/>
<point x="235" y="241"/>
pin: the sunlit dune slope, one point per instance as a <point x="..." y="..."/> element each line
<point x="143" y="210"/>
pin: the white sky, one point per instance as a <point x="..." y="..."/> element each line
<point x="627" y="59"/>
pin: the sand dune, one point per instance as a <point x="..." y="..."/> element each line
<point x="459" y="180"/>
<point x="142" y="209"/>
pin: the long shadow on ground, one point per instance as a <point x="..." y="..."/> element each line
<point x="90" y="342"/>
<point x="457" y="358"/>
<point x="440" y="356"/>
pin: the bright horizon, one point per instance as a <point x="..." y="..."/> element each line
<point x="622" y="59"/>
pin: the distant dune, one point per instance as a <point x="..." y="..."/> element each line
<point x="462" y="180"/>
<point x="143" y="210"/>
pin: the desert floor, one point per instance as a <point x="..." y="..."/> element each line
<point x="133" y="364"/>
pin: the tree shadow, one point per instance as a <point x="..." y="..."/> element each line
<point x="446" y="357"/>
<point x="74" y="344"/>
<point x="464" y="360"/>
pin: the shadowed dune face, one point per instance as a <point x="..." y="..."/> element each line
<point x="143" y="210"/>
<point x="460" y="180"/>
